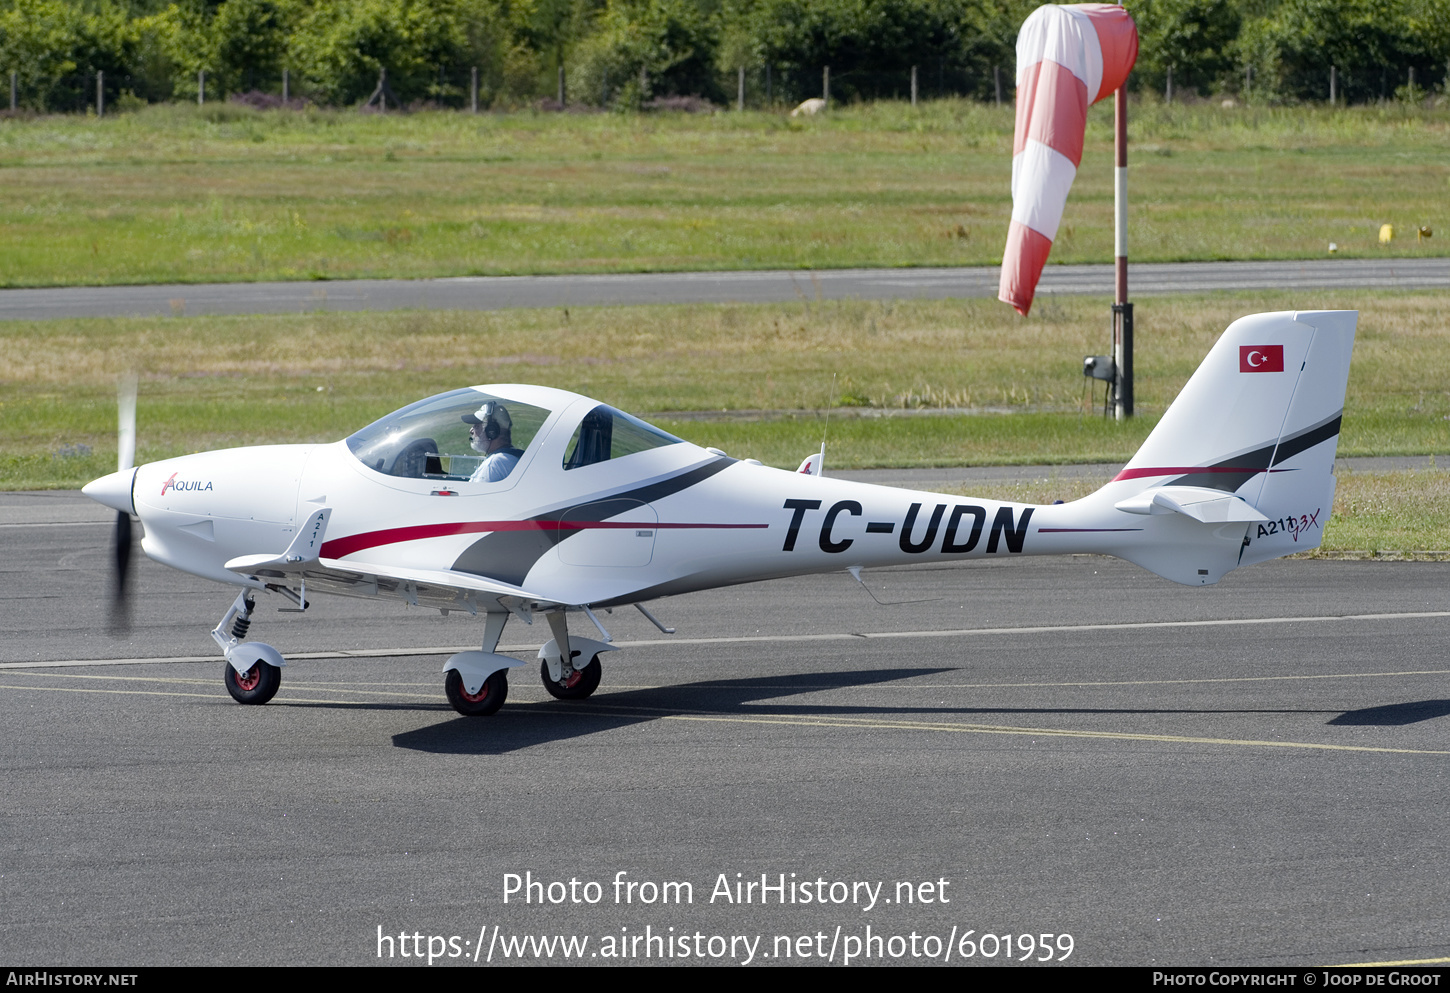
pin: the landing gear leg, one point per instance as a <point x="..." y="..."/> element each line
<point x="253" y="671"/>
<point x="561" y="670"/>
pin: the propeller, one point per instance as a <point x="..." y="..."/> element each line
<point x="125" y="459"/>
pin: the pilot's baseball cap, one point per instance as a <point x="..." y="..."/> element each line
<point x="491" y="410"/>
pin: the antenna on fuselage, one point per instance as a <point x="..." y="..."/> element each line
<point x="855" y="571"/>
<point x="826" y="427"/>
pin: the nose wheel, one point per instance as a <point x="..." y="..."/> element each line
<point x="578" y="685"/>
<point x="255" y="686"/>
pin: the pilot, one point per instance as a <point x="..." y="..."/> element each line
<point x="491" y="433"/>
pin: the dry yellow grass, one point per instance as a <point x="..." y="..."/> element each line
<point x="1390" y="512"/>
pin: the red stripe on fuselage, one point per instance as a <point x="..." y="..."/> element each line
<point x="1177" y="470"/>
<point x="341" y="547"/>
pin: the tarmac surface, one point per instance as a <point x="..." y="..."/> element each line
<point x="768" y="286"/>
<point x="1252" y="773"/>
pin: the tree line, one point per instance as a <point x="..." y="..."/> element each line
<point x="629" y="52"/>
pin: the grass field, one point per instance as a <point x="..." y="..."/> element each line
<point x="186" y="194"/>
<point x="756" y="381"/>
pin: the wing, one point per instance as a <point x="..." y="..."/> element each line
<point x="445" y="589"/>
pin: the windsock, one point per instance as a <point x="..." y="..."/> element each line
<point x="1068" y="56"/>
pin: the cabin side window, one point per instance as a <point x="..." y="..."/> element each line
<point x="606" y="433"/>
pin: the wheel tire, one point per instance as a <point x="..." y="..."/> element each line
<point x="258" y="685"/>
<point x="487" y="700"/>
<point x="585" y="681"/>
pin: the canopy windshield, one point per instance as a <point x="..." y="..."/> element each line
<point x="450" y="437"/>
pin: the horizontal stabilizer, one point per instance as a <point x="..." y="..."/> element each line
<point x="1198" y="502"/>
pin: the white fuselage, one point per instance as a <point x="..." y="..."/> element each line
<point x="666" y="521"/>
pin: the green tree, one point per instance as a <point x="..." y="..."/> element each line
<point x="672" y="41"/>
<point x="56" y="49"/>
<point x="551" y="27"/>
<point x="38" y="43"/>
<point x="871" y="45"/>
<point x="340" y="46"/>
<point x="1371" y="44"/>
<point x="519" y="45"/>
<point x="248" y="41"/>
<point x="1196" y="37"/>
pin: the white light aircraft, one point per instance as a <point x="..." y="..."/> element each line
<point x="525" y="501"/>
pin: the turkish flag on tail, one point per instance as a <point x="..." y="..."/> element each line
<point x="1068" y="57"/>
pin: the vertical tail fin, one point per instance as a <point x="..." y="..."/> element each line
<point x="1247" y="450"/>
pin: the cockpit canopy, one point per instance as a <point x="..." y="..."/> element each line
<point x="435" y="438"/>
<point x="472" y="435"/>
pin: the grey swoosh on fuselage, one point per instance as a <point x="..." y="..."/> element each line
<point x="507" y="556"/>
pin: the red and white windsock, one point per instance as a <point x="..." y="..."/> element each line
<point x="1068" y="57"/>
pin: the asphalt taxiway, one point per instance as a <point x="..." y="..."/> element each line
<point x="1254" y="773"/>
<point x="761" y="286"/>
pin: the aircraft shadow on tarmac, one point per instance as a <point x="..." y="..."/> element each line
<point x="540" y="723"/>
<point x="523" y="725"/>
<point x="1395" y="714"/>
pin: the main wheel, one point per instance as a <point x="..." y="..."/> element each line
<point x="487" y="700"/>
<point x="579" y="685"/>
<point x="256" y="686"/>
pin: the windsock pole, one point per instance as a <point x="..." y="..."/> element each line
<point x="1122" y="309"/>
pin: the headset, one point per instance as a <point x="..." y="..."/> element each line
<point x="493" y="416"/>
<point x="491" y="430"/>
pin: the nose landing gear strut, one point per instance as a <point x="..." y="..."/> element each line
<point x="253" y="671"/>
